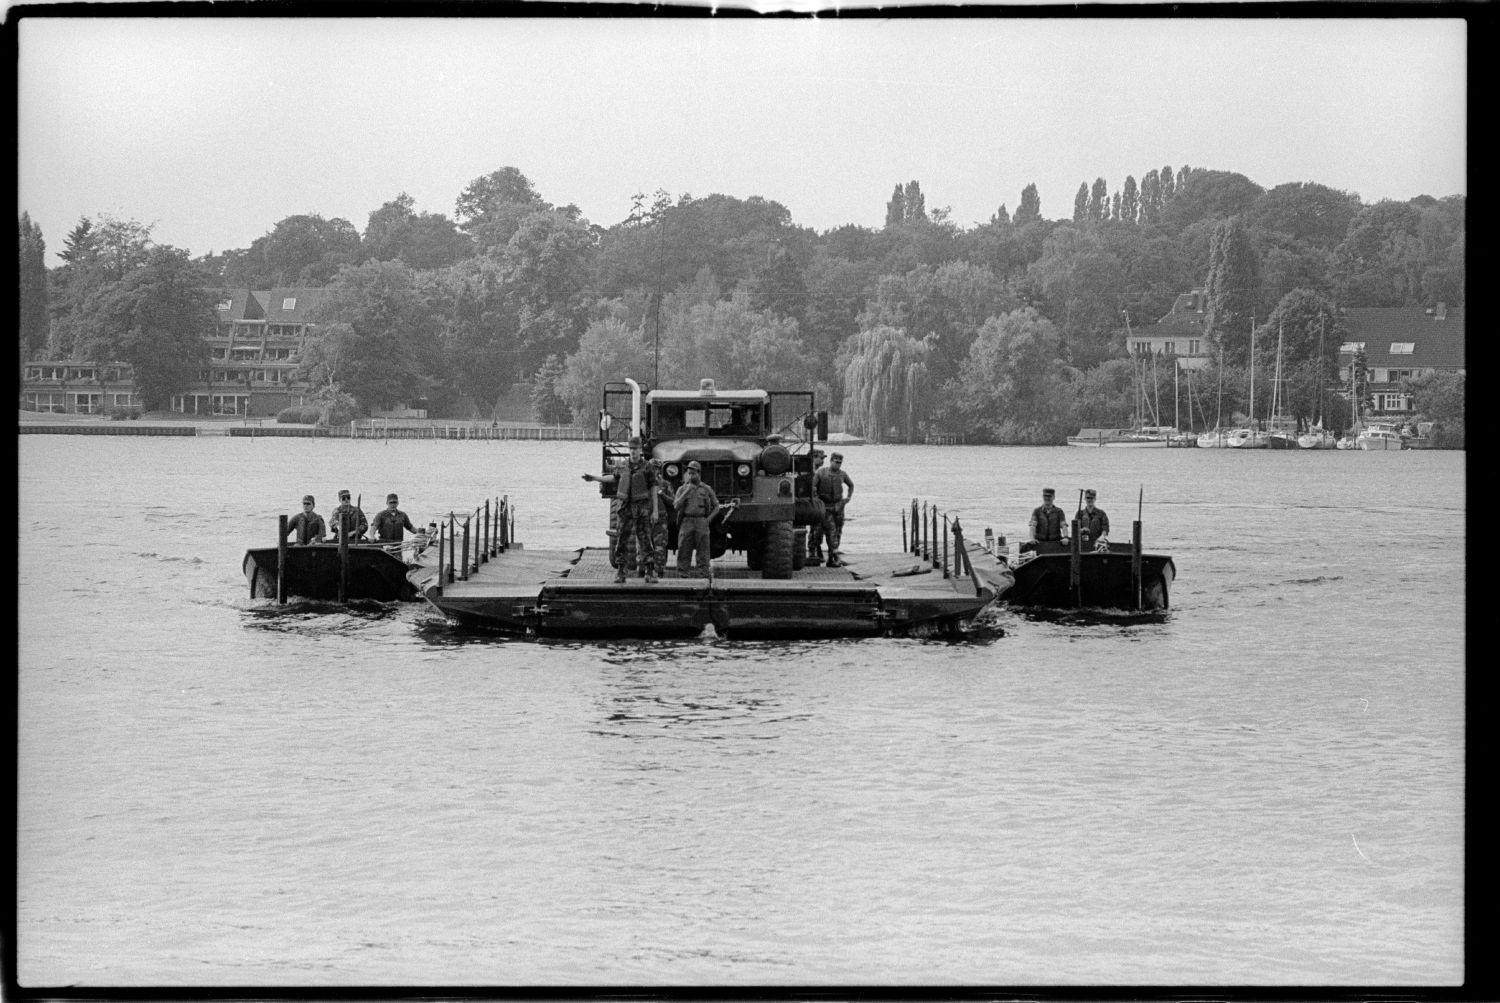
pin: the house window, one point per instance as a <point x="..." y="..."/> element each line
<point x="221" y="375"/>
<point x="122" y="400"/>
<point x="1170" y="347"/>
<point x="1142" y="347"/>
<point x="290" y="303"/>
<point x="226" y="304"/>
<point x="1195" y="347"/>
<point x="1402" y="347"/>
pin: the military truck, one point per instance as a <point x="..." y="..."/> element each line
<point x="755" y="449"/>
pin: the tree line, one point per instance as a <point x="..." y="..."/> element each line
<point x="1008" y="330"/>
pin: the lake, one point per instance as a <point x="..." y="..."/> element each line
<point x="1263" y="786"/>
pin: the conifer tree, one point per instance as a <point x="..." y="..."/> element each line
<point x="916" y="204"/>
<point x="1151" y="197"/>
<point x="1168" y="186"/>
<point x="1081" y="204"/>
<point x="1002" y="217"/>
<point x="1130" y="200"/>
<point x="1099" y="201"/>
<point x="32" y="290"/>
<point x="1030" y="209"/>
<point x="1233" y="289"/>
<point x="1114" y="206"/>
<point x="895" y="209"/>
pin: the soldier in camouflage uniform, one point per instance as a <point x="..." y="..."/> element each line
<point x="640" y="510"/>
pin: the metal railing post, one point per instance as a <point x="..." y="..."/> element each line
<point x="440" y="560"/>
<point x="452" y="535"/>
<point x="1075" y="565"/>
<point x="465" y="573"/>
<point x="946" y="530"/>
<point x="1135" y="564"/>
<point x="486" y="530"/>
<point x="343" y="555"/>
<point x="280" y="566"/>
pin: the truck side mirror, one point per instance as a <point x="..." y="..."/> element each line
<point x="822" y="426"/>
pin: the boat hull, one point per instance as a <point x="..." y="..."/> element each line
<point x="1104" y="580"/>
<point x="312" y="572"/>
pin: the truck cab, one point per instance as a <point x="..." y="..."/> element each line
<point x="755" y="450"/>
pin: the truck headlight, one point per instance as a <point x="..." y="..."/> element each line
<point x="743" y="470"/>
<point x="672" y="470"/>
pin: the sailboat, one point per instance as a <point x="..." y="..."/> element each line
<point x="1248" y="436"/>
<point x="1279" y="437"/>
<point x="1216" y="437"/>
<point x="1141" y="434"/>
<point x="1317" y="437"/>
<point x="1176" y="438"/>
<point x="1348" y="441"/>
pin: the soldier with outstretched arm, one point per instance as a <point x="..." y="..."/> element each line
<point x="636" y="490"/>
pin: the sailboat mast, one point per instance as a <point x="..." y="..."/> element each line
<point x="1252" y="372"/>
<point x="1276" y="386"/>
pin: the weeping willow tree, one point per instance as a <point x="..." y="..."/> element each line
<point x="887" y="384"/>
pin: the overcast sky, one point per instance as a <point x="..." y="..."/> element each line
<point x="215" y="129"/>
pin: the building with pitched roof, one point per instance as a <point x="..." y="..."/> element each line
<point x="254" y="350"/>
<point x="1401" y="343"/>
<point x="1179" y="333"/>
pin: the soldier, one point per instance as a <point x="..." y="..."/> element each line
<point x="356" y="518"/>
<point x="307" y="524"/>
<point x="391" y="523"/>
<point x="695" y="502"/>
<point x="639" y="509"/>
<point x="829" y="485"/>
<point x="815" y="531"/>
<point x="1094" y="522"/>
<point x="1046" y="520"/>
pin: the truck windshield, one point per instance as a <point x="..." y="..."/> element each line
<point x="740" y="420"/>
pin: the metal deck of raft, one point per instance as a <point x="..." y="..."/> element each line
<point x="572" y="593"/>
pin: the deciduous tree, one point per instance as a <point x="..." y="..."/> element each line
<point x="1014" y="384"/>
<point x="887" y="386"/>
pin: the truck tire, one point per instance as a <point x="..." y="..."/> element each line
<point x="778" y="552"/>
<point x="755" y="556"/>
<point x="799" y="547"/>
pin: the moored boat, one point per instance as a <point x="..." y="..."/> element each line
<point x="1316" y="438"/>
<point x="1215" y="438"/>
<point x="1379" y="437"/>
<point x="1246" y="438"/>
<point x="1145" y="435"/>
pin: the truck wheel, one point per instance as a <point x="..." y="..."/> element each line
<point x="778" y="555"/>
<point x="799" y="547"/>
<point x="755" y="556"/>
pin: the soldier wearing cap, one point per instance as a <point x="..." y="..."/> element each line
<point x="639" y="509"/>
<point x="694" y="502"/>
<point x="1094" y="522"/>
<point x="307" y="524"/>
<point x="828" y="486"/>
<point x="815" y="531"/>
<point x="353" y="514"/>
<point x="1046" y="520"/>
<point x="390" y="522"/>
